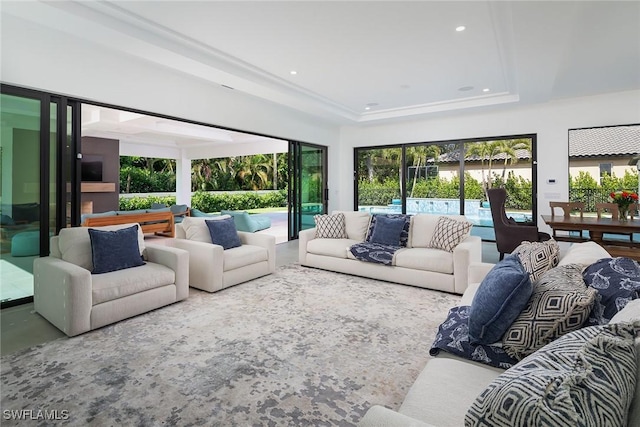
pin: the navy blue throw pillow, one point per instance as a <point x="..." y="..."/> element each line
<point x="224" y="233"/>
<point x="617" y="281"/>
<point x="387" y="230"/>
<point x="115" y="250"/>
<point x="502" y="295"/>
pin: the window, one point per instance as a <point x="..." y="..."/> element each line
<point x="448" y="178"/>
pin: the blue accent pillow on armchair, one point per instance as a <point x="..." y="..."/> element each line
<point x="223" y="232"/>
<point x="115" y="250"/>
<point x="502" y="295"/>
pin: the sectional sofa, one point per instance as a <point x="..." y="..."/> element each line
<point x="448" y="386"/>
<point x="417" y="264"/>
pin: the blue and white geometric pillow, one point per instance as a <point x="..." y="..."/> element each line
<point x="585" y="378"/>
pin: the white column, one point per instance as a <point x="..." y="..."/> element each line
<point x="183" y="180"/>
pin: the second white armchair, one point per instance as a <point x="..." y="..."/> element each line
<point x="212" y="268"/>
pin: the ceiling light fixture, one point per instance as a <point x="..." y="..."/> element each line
<point x="486" y="89"/>
<point x="461" y="28"/>
<point x="367" y="108"/>
<point x="293" y="72"/>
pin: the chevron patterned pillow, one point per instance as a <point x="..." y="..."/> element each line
<point x="448" y="233"/>
<point x="330" y="226"/>
<point x="585" y="378"/>
<point x="560" y="303"/>
<point x="538" y="257"/>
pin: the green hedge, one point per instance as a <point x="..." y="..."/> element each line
<point x="214" y="202"/>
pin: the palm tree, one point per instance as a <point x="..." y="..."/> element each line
<point x="508" y="147"/>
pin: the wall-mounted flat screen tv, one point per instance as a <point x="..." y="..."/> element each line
<point x="91" y="168"/>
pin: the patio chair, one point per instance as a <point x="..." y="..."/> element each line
<point x="510" y="234"/>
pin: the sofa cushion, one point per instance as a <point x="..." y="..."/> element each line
<point x="196" y="229"/>
<point x="425" y="259"/>
<point x="132" y="212"/>
<point x="83" y="217"/>
<point x="113" y="250"/>
<point x="121" y="283"/>
<point x="560" y="303"/>
<point x="617" y="281"/>
<point x="582" y="378"/>
<point x="337" y="248"/>
<point x="502" y="295"/>
<point x="387" y="230"/>
<point x="448" y="233"/>
<point x="538" y="257"/>
<point x="223" y="232"/>
<point x="356" y="224"/>
<point x="585" y="253"/>
<point x="244" y="255"/>
<point x="330" y="226"/>
<point x="74" y="244"/>
<point x="445" y="389"/>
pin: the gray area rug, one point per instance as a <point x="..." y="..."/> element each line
<point x="299" y="347"/>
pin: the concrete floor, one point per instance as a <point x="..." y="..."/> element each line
<point x="21" y="327"/>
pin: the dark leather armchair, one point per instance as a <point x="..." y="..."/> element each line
<point x="509" y="234"/>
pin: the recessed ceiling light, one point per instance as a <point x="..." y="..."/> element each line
<point x="465" y="88"/>
<point x="461" y="28"/>
<point x="486" y="89"/>
<point x="367" y="108"/>
<point x="293" y="72"/>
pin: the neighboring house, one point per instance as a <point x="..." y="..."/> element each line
<point x="449" y="165"/>
<point x="603" y="150"/>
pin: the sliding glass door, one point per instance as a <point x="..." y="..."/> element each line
<point x="449" y="178"/>
<point x="307" y="185"/>
<point x="34" y="151"/>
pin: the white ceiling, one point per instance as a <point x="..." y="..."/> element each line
<point x="402" y="59"/>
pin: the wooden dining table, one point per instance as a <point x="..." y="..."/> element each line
<point x="596" y="228"/>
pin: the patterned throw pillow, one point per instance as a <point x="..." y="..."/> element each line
<point x="617" y="281"/>
<point x="560" y="303"/>
<point x="330" y="226"/>
<point x="538" y="257"/>
<point x="448" y="233"/>
<point x="582" y="379"/>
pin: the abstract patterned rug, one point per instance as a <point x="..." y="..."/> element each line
<point x="299" y="347"/>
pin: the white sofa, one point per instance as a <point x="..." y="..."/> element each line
<point x="416" y="265"/>
<point x="211" y="268"/>
<point x="67" y="294"/>
<point x="448" y="385"/>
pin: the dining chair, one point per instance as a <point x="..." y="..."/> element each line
<point x="612" y="208"/>
<point x="609" y="208"/>
<point x="567" y="207"/>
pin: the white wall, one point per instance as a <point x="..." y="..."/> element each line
<point x="550" y="121"/>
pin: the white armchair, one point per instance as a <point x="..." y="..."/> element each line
<point x="211" y="268"/>
<point x="74" y="300"/>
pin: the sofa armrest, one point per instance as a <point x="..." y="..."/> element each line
<point x="303" y="238"/>
<point x="467" y="251"/>
<point x="206" y="263"/>
<point x="62" y="294"/>
<point x="177" y="260"/>
<point x="477" y="271"/>
<point x="379" y="416"/>
<point x="263" y="240"/>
